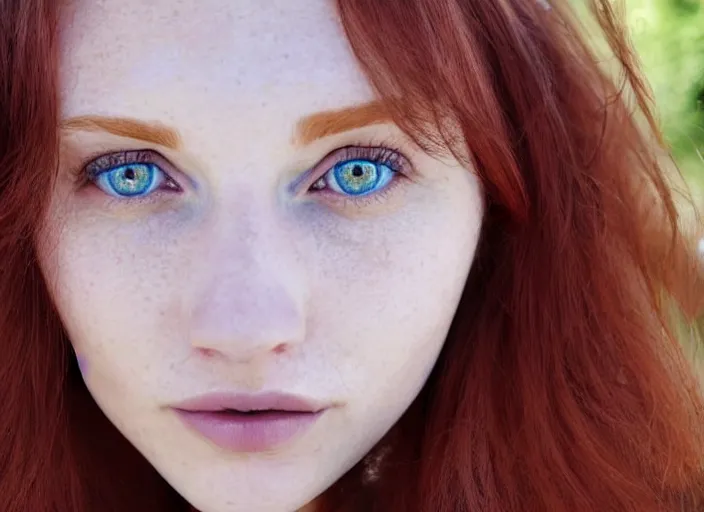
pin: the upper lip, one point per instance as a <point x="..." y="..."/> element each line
<point x="212" y="402"/>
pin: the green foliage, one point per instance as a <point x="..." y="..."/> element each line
<point x="669" y="37"/>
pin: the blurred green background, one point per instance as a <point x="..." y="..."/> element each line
<point x="669" y="37"/>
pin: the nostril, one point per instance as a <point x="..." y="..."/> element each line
<point x="280" y="348"/>
<point x="207" y="352"/>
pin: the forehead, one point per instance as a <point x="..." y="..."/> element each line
<point x="231" y="64"/>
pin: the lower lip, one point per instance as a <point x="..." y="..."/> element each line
<point x="249" y="433"/>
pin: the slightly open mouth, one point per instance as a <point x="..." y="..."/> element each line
<point x="249" y="431"/>
<point x="267" y="413"/>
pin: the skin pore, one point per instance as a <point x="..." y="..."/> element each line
<point x="242" y="262"/>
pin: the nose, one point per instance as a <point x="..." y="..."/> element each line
<point x="251" y="293"/>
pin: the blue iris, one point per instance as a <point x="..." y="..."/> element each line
<point x="130" y="180"/>
<point x="359" y="177"/>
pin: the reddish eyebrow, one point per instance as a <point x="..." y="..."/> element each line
<point x="324" y="124"/>
<point x="153" y="132"/>
<point x="309" y="129"/>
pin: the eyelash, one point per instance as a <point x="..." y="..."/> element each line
<point x="380" y="154"/>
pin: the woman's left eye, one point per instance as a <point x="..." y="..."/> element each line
<point x="359" y="174"/>
<point x="356" y="178"/>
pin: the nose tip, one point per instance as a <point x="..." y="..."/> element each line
<point x="249" y="291"/>
<point x="249" y="323"/>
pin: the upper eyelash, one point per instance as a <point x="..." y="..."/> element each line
<point x="111" y="160"/>
<point x="376" y="153"/>
<point x="103" y="162"/>
<point x="384" y="150"/>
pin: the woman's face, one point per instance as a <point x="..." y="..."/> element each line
<point x="272" y="243"/>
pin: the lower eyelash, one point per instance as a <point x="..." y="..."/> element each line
<point x="376" y="198"/>
<point x="363" y="201"/>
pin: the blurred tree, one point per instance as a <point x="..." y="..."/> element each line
<point x="669" y="37"/>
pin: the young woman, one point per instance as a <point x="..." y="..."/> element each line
<point x="374" y="255"/>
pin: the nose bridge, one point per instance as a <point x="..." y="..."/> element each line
<point x="250" y="289"/>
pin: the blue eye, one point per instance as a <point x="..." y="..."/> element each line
<point x="357" y="177"/>
<point x="130" y="180"/>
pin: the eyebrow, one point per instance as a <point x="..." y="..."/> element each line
<point x="309" y="129"/>
<point x="153" y="132"/>
<point x="332" y="122"/>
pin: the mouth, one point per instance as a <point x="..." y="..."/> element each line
<point x="249" y="423"/>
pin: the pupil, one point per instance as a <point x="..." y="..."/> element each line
<point x="129" y="174"/>
<point x="357" y="171"/>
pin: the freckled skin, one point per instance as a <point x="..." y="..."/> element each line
<point x="238" y="283"/>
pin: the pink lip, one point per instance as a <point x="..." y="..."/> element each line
<point x="249" y="423"/>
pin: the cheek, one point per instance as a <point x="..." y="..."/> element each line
<point x="385" y="306"/>
<point x="109" y="292"/>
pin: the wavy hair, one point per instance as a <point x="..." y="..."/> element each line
<point x="561" y="385"/>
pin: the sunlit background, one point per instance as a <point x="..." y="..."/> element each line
<point x="669" y="37"/>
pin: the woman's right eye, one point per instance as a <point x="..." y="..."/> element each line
<point x="131" y="180"/>
<point x="129" y="175"/>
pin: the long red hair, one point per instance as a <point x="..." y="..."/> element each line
<point x="561" y="385"/>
